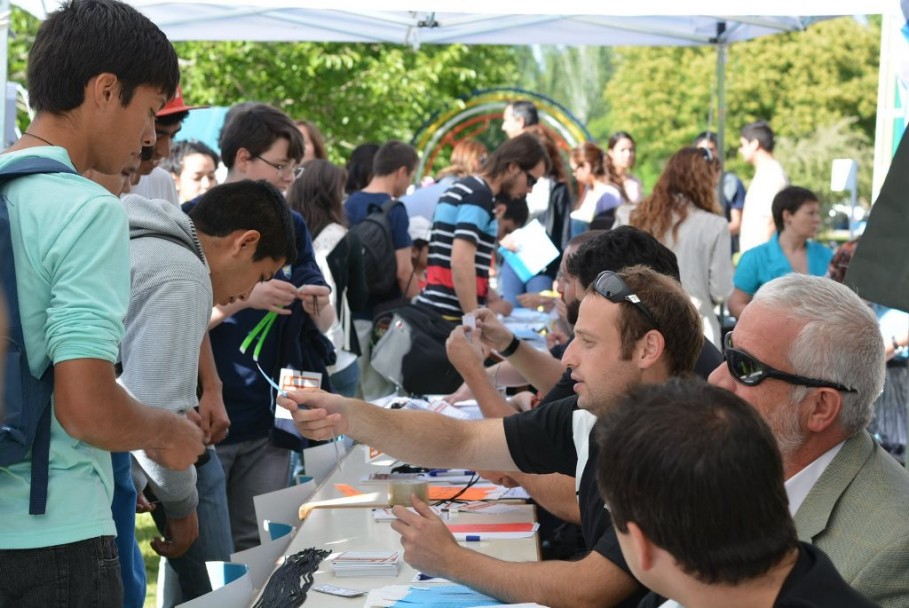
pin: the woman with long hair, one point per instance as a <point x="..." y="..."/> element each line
<point x="313" y="142"/>
<point x="317" y="196"/>
<point x="622" y="152"/>
<point x="594" y="172"/>
<point x="683" y="214"/>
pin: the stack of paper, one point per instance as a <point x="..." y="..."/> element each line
<point x="366" y="563"/>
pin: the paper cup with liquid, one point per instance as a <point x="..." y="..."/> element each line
<point x="399" y="491"/>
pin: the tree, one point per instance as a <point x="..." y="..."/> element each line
<point x="808" y="159"/>
<point x="800" y="82"/>
<point x="572" y="76"/>
<point x="354" y="92"/>
<point x="22" y="29"/>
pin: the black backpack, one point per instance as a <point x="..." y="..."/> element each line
<point x="25" y="424"/>
<point x="378" y="249"/>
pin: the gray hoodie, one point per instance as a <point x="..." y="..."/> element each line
<point x="169" y="309"/>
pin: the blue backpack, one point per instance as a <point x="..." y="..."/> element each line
<point x="26" y="416"/>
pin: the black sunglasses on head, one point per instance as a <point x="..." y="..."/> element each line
<point x="611" y="286"/>
<point x="749" y="371"/>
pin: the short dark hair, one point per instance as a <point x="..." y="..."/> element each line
<point x="760" y="131"/>
<point x="620" y="247"/>
<point x="698" y="471"/>
<point x="516" y="210"/>
<point x="85" y="38"/>
<point x="705" y="136"/>
<point x="790" y="199"/>
<point x="256" y="128"/>
<point x="671" y="308"/>
<point x="249" y="205"/>
<point x="526" y="111"/>
<point x="182" y="149"/>
<point x="171" y="119"/>
<point x="525" y="150"/>
<point x="392" y="156"/>
<point x="359" y="167"/>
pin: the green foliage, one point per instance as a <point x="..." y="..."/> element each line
<point x="22" y="29"/>
<point x="354" y="92"/>
<point x="145" y="532"/>
<point x="572" y="76"/>
<point x="808" y="159"/>
<point x="800" y="82"/>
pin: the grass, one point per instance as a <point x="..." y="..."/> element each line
<point x="145" y="531"/>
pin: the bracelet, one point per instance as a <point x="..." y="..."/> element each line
<point x="511" y="348"/>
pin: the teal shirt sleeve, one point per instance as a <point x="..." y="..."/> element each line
<point x="746" y="273"/>
<point x="87" y="265"/>
<point x="819" y="257"/>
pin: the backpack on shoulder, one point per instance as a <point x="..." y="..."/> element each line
<point x="378" y="249"/>
<point x="26" y="415"/>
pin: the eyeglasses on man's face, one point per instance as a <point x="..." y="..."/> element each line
<point x="611" y="286"/>
<point x="286" y="170"/>
<point x="749" y="371"/>
<point x="531" y="179"/>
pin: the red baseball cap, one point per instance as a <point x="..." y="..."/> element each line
<point x="177" y="105"/>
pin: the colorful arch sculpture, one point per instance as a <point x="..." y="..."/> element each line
<point x="475" y="114"/>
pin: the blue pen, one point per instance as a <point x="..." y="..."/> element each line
<point x="450" y="472"/>
<point x="473" y="538"/>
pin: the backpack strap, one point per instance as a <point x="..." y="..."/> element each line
<point x="387" y="205"/>
<point x="384" y="208"/>
<point x="32" y="166"/>
<point x="37" y="504"/>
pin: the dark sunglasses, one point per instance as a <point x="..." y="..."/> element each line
<point x="613" y="288"/>
<point x="749" y="371"/>
<point x="531" y="180"/>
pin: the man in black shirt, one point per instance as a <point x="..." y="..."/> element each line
<point x="634" y="327"/>
<point x="694" y="483"/>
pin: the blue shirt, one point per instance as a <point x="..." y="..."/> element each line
<point x="357" y="208"/>
<point x="766" y="262"/>
<point x="423" y="200"/>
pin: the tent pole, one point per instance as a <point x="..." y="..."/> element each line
<point x="721" y="51"/>
<point x="5" y="21"/>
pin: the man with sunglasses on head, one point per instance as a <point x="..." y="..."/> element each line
<point x="807" y="353"/>
<point x="635" y="326"/>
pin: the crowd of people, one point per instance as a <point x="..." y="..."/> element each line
<point x="151" y="313"/>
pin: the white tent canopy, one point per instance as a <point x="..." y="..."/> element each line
<point x="569" y="22"/>
<point x="416" y="22"/>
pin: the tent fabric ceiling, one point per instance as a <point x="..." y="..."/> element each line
<point x="576" y="22"/>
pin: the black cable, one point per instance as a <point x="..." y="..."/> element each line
<point x="473" y="481"/>
<point x="288" y="584"/>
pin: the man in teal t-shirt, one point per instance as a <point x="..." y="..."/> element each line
<point x="97" y="74"/>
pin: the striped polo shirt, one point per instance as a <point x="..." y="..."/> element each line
<point x="465" y="211"/>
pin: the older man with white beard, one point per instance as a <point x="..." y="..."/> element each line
<point x="807" y="353"/>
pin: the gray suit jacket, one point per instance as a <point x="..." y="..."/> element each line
<point x="858" y="513"/>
